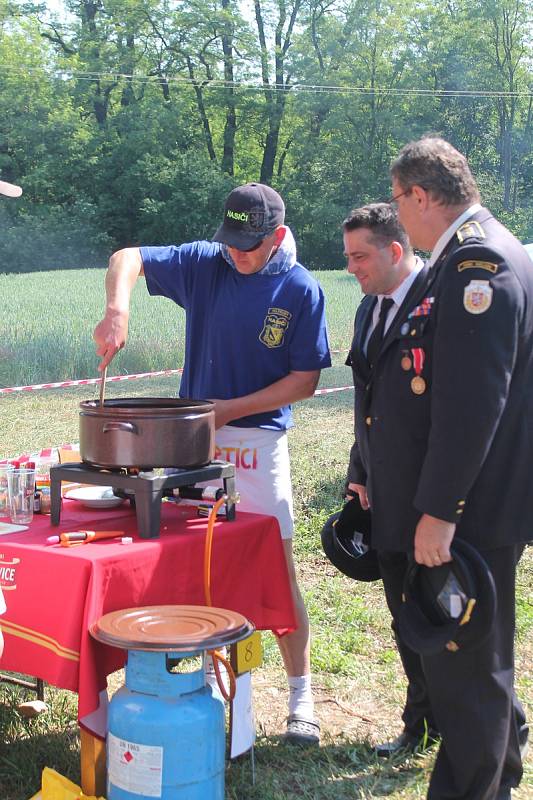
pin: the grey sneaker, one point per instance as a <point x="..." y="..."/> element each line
<point x="302" y="731"/>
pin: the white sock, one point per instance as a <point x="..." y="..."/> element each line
<point x="300" y="697"/>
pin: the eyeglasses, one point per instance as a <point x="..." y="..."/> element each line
<point x="391" y="201"/>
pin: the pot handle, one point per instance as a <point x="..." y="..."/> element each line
<point x="129" y="427"/>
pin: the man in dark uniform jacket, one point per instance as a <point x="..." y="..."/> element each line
<point x="444" y="425"/>
<point x="380" y="257"/>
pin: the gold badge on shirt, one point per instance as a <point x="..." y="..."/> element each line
<point x="274" y="327"/>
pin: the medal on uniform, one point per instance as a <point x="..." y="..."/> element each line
<point x="406" y="362"/>
<point x="418" y="384"/>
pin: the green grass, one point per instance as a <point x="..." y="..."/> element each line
<point x="358" y="679"/>
<point x="48" y="319"/>
<point x="46" y="332"/>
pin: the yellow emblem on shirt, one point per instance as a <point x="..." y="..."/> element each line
<point x="274" y="327"/>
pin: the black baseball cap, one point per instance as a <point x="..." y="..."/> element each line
<point x="251" y="212"/>
<point x="9" y="189"/>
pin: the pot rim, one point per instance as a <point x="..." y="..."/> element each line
<point x="129" y="406"/>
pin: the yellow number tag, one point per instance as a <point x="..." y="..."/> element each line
<point x="248" y="653"/>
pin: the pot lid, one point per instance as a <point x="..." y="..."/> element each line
<point x="172" y="628"/>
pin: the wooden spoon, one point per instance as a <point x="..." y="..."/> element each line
<point x="102" y="386"/>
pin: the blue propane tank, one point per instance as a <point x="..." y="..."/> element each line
<point x="166" y="733"/>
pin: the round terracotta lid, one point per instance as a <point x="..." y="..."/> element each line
<point x="173" y="628"/>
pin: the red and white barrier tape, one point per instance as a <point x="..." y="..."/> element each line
<point x="335" y="389"/>
<point x="89" y="381"/>
<point x="114" y="379"/>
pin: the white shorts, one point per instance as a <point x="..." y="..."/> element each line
<point x="262" y="471"/>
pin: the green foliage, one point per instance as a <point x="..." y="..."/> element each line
<point x="115" y="120"/>
<point x="188" y="202"/>
<point x="53" y="237"/>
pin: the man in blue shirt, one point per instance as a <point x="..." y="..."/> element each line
<point x="255" y="343"/>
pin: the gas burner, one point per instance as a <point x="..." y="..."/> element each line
<point x="145" y="490"/>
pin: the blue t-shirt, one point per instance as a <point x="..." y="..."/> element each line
<point x="243" y="332"/>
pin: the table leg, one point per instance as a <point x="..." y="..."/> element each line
<point x="93" y="766"/>
<point x="55" y="498"/>
<point x="148" y="510"/>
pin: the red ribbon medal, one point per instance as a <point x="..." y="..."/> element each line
<point x="418" y="384"/>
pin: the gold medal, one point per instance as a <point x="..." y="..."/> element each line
<point x="418" y="384"/>
<point x="406" y="363"/>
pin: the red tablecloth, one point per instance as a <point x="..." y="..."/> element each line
<point x="54" y="594"/>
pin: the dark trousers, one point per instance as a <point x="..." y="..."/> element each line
<point x="417" y="715"/>
<point x="469" y="695"/>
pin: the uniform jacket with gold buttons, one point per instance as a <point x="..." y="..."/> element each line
<point x="462" y="450"/>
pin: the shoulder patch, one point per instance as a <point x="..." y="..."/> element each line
<point x="477" y="297"/>
<point x="470" y="230"/>
<point x="487" y="265"/>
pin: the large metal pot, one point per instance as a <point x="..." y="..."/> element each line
<point x="147" y="432"/>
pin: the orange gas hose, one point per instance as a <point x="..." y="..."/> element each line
<point x="215" y="654"/>
<point x="208" y="547"/>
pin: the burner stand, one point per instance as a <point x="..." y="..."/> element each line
<point x="147" y="489"/>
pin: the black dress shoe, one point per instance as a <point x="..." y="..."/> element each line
<point x="404" y="743"/>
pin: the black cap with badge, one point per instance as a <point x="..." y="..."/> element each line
<point x="251" y="213"/>
<point x="449" y="607"/>
<point x="9" y="189"/>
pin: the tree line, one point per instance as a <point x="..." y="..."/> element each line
<point x="128" y="121"/>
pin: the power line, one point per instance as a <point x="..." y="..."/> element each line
<point x="219" y="84"/>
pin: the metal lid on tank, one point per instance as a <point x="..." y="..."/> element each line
<point x="171" y="628"/>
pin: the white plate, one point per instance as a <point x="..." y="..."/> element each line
<point x="95" y="496"/>
<point x="9" y="527"/>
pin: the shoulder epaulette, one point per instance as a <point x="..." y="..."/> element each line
<point x="470" y="230"/>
